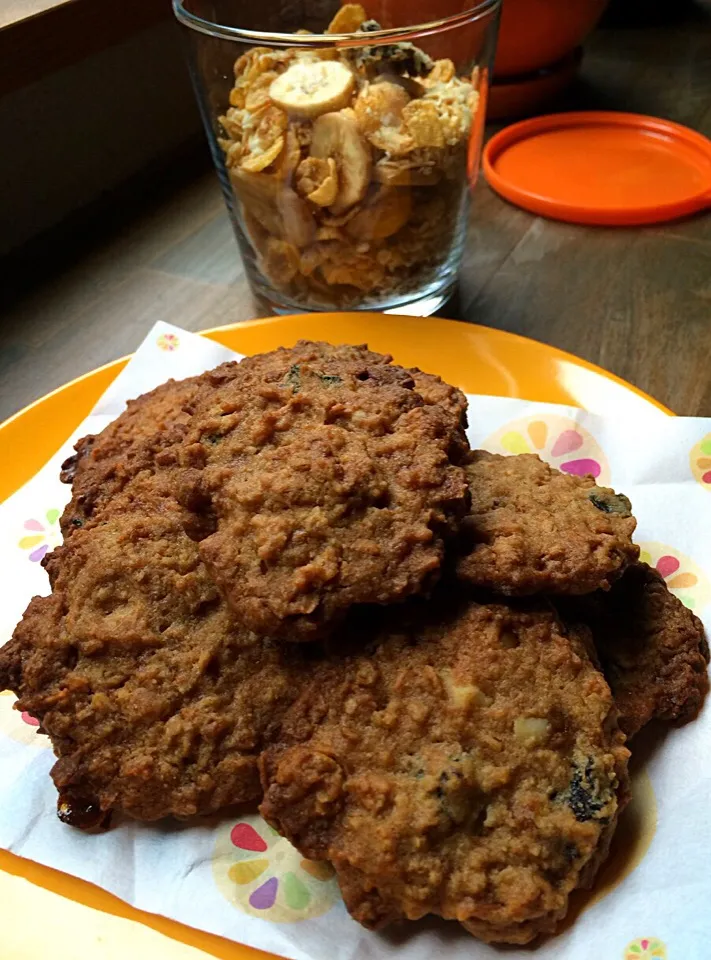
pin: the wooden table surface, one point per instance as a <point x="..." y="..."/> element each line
<point x="635" y="301"/>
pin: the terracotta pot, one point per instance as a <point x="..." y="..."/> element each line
<point x="535" y="34"/>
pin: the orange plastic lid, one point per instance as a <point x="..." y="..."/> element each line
<point x="616" y="169"/>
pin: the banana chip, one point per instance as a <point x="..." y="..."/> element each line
<point x="336" y="135"/>
<point x="386" y="212"/>
<point x="310" y="88"/>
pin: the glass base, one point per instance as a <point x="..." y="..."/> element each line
<point x="424" y="303"/>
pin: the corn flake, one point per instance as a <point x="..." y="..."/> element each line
<point x="317" y="180"/>
<point x="422" y="122"/>
<point x="246" y="65"/>
<point x="442" y="72"/>
<point x="380" y="105"/>
<point x="257" y="97"/>
<point x="256" y="162"/>
<point x="238" y="96"/>
<point x="392" y="140"/>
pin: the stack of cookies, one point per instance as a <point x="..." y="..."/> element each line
<point x="290" y="581"/>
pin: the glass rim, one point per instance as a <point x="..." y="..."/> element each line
<point x="317" y="40"/>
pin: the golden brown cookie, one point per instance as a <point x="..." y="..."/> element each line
<point x="465" y="762"/>
<point x="653" y="649"/>
<point x="322" y="482"/>
<point x="532" y="529"/>
<point x="156" y="702"/>
<point x="133" y="444"/>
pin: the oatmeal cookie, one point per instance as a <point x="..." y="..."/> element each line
<point x="133" y="444"/>
<point x="533" y="529"/>
<point x="156" y="701"/>
<point x="653" y="649"/>
<point x="322" y="482"/>
<point x="139" y="441"/>
<point x="465" y="762"/>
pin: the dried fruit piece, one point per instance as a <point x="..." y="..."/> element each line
<point x="317" y="180"/>
<point x="386" y="212"/>
<point x="608" y="502"/>
<point x="311" y="88"/>
<point x="336" y="135"/>
<point x="401" y="58"/>
<point x="349" y="18"/>
<point x="589" y="796"/>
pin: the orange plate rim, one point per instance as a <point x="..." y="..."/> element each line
<point x="213" y="333"/>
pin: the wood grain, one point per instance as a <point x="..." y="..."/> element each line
<point x="636" y="301"/>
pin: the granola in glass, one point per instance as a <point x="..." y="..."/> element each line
<point x="349" y="164"/>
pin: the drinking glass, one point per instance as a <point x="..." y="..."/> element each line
<point x="346" y="141"/>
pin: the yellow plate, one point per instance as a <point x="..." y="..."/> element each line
<point x="46" y="912"/>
